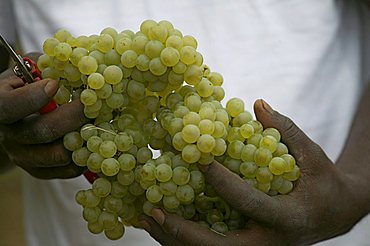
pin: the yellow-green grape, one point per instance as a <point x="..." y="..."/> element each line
<point x="107" y="148"/>
<point x="104" y="92"/>
<point x="80" y="156"/>
<point x="255" y="139"/>
<point x="246" y="130"/>
<point x="281" y="149"/>
<point x="290" y="160"/>
<point x="87" y="65"/>
<point x="185" y="194"/>
<point x="206" y="126"/>
<point x="276" y="182"/>
<point x="188" y="55"/>
<point x="192" y="75"/>
<point x="242" y="118"/>
<point x="170" y="56"/>
<point x="292" y="175"/>
<point x="178" y="142"/>
<point x="190" y="153"/>
<point x="181" y="68"/>
<point x="125" y="178"/>
<point x="129" y="58"/>
<point x="193" y="103"/>
<point x="146" y="25"/>
<point x="110" y="167"/>
<point x="113" y="75"/>
<point x="116" y="232"/>
<point x="191" y="118"/>
<point x="204" y="88"/>
<point x="62" y="35"/>
<point x="262" y="157"/>
<point x="154" y="194"/>
<point x="127" y="162"/>
<point x="95" y="81"/>
<point x="264" y="175"/>
<point x="153" y="48"/>
<point x="190" y="133"/>
<point x="207" y="113"/>
<point x="123" y="44"/>
<point x="206" y="143"/>
<point x="215" y="78"/>
<point x="220" y="147"/>
<point x="222" y="116"/>
<point x="62" y="96"/>
<point x="105" y="43"/>
<point x="71" y="73"/>
<point x="93" y="143"/>
<point x="138" y="44"/>
<point x="248" y="152"/>
<point x="248" y="169"/>
<point x="272" y="132"/>
<point x="157" y="67"/>
<point x="158" y="32"/>
<point x="142" y="63"/>
<point x="189" y="40"/>
<point x="136" y="89"/>
<point x="88" y="97"/>
<point x="99" y="57"/>
<point x="43" y="62"/>
<point x="62" y="51"/>
<point x="286" y="187"/>
<point x="174" y="41"/>
<point x="181" y="175"/>
<point x="168" y="25"/>
<point x="91" y="215"/>
<point x="268" y="142"/>
<point x="264" y="187"/>
<point x="94" y="162"/>
<point x="277" y="165"/>
<point x="235" y="148"/>
<point x="258" y="128"/>
<point x="110" y="30"/>
<point x="112" y="57"/>
<point x="235" y="106"/>
<point x="73" y="141"/>
<point x="218" y="93"/>
<point x="49" y="46"/>
<point x="101" y="187"/>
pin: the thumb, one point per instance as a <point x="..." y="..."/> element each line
<point x="299" y="144"/>
<point x="23" y="101"/>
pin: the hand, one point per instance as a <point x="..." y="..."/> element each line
<point x="33" y="141"/>
<point x="323" y="203"/>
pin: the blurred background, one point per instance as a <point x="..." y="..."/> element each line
<point x="11" y="211"/>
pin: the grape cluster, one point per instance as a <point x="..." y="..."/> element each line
<point x="150" y="90"/>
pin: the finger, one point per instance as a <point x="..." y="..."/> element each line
<point x="43" y="155"/>
<point x="185" y="231"/>
<point x="48" y="127"/>
<point x="66" y="172"/>
<point x="156" y="231"/>
<point x="299" y="144"/>
<point x="26" y="100"/>
<point x="8" y="82"/>
<point x="243" y="197"/>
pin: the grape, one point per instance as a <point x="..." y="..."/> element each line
<point x="131" y="85"/>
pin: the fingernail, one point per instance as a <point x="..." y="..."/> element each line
<point x="51" y="88"/>
<point x="144" y="225"/>
<point x="158" y="216"/>
<point x="267" y="106"/>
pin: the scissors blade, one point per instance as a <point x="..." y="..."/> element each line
<point x="18" y="60"/>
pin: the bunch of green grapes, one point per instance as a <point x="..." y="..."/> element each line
<point x="149" y="91"/>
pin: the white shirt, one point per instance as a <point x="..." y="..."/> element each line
<point x="308" y="59"/>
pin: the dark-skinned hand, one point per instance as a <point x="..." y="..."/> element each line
<point x="323" y="203"/>
<point x="31" y="140"/>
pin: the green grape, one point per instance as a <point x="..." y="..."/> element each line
<point x="93" y="143"/>
<point x="255" y="139"/>
<point x="94" y="162"/>
<point x="190" y="133"/>
<point x="144" y="154"/>
<point x="281" y="149"/>
<point x="112" y="204"/>
<point x="142" y="63"/>
<point x="157" y="67"/>
<point x="262" y="157"/>
<point x="219" y="129"/>
<point x="277" y="165"/>
<point x="91" y="215"/>
<point x="174" y="41"/>
<point x="112" y="57"/>
<point x="286" y="187"/>
<point x="264" y="175"/>
<point x="192" y="75"/>
<point x="95" y="227"/>
<point x="100" y="59"/>
<point x="170" y="202"/>
<point x="264" y="187"/>
<point x="220" y="147"/>
<point x="207" y="113"/>
<point x="242" y="118"/>
<point x="115" y="100"/>
<point x="248" y="169"/>
<point x="71" y="73"/>
<point x="113" y="74"/>
<point x="107" y="148"/>
<point x="107" y="219"/>
<point x="138" y="44"/>
<point x="87" y="65"/>
<point x="235" y="106"/>
<point x="129" y="58"/>
<point x="180" y="68"/>
<point x="153" y="48"/>
<point x="220" y="227"/>
<point x="154" y="194"/>
<point x="80" y="156"/>
<point x="158" y="32"/>
<point x="88" y="97"/>
<point x="49" y="46"/>
<point x="125" y="178"/>
<point x="188" y="55"/>
<point x="292" y="175"/>
<point x="62" y="35"/>
<point x="277" y="182"/>
<point x="185" y="194"/>
<point x="268" y="142"/>
<point x="136" y="89"/>
<point x="204" y="88"/>
<point x="178" y="142"/>
<point x="206" y="143"/>
<point x="123" y="44"/>
<point x="95" y="81"/>
<point x="163" y="173"/>
<point x="190" y="153"/>
<point x="272" y="132"/>
<point x="181" y="175"/>
<point x="110" y="167"/>
<point x="146" y="25"/>
<point x="191" y="118"/>
<point x="105" y="43"/>
<point x="235" y="149"/>
<point x="170" y="56"/>
<point x="91" y="200"/>
<point x="72" y="141"/>
<point x="77" y="54"/>
<point x="206" y="126"/>
<point x="62" y="96"/>
<point x="258" y="128"/>
<point x="246" y="130"/>
<point x="168" y="188"/>
<point x="197" y="181"/>
<point x="127" y="162"/>
<point x="101" y="187"/>
<point x="116" y="232"/>
<point x="62" y="51"/>
<point x="291" y="163"/>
